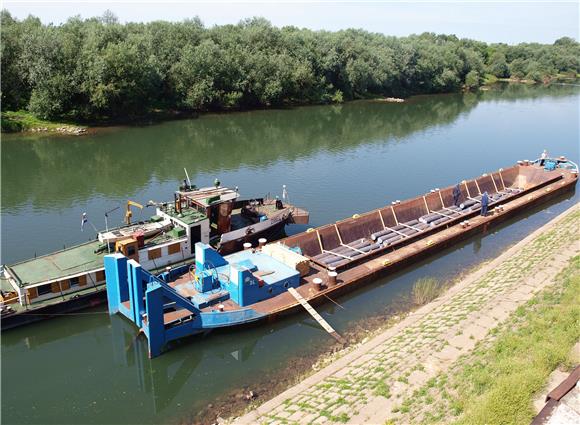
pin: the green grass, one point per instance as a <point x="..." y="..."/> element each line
<point x="499" y="387"/>
<point x="382" y="389"/>
<point x="425" y="290"/>
<point x="15" y="121"/>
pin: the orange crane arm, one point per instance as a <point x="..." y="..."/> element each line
<point x="129" y="213"/>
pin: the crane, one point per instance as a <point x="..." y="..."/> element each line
<point x="129" y="213"/>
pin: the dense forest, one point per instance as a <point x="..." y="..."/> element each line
<point x="100" y="69"/>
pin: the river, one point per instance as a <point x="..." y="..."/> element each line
<point x="335" y="160"/>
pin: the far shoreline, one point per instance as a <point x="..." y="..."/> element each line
<point x="30" y="125"/>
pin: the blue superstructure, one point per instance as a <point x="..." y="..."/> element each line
<point x="167" y="311"/>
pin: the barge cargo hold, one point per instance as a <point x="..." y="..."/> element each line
<point x="255" y="284"/>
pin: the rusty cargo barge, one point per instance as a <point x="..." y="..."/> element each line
<point x="279" y="278"/>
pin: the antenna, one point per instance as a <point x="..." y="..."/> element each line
<point x="107" y="224"/>
<point x="187" y="175"/>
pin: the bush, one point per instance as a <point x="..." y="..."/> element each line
<point x="337" y="97"/>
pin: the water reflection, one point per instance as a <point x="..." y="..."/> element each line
<point x="54" y="171"/>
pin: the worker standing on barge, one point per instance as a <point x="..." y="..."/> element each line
<point x="484" y="203"/>
<point x="456" y="195"/>
<point x="543" y="157"/>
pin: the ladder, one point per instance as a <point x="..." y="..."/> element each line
<point x="316" y="316"/>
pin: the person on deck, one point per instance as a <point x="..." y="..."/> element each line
<point x="456" y="195"/>
<point x="279" y="205"/>
<point x="543" y="157"/>
<point x="484" y="203"/>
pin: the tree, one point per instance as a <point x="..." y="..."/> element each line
<point x="472" y="80"/>
<point x="99" y="68"/>
<point x="498" y="65"/>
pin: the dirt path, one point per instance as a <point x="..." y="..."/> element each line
<point x="368" y="383"/>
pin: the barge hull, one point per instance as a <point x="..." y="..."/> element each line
<point x="68" y="307"/>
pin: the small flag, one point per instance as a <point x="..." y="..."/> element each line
<point x="284" y="192"/>
<point x="84" y="220"/>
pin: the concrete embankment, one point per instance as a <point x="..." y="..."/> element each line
<point x="367" y="384"/>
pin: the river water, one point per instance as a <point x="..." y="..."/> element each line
<point x="335" y="161"/>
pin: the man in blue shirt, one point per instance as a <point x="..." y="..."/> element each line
<point x="484" y="203"/>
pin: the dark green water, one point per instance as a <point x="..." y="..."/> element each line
<point x="335" y="160"/>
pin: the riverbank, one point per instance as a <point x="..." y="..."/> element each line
<point x="26" y="122"/>
<point x="373" y="383"/>
<point x="23" y="121"/>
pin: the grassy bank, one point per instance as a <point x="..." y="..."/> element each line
<point x="16" y="121"/>
<point x="497" y="383"/>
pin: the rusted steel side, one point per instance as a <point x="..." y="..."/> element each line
<point x="447" y="195"/>
<point x="433" y="201"/>
<point x="485" y="184"/>
<point x="329" y="237"/>
<point x="535" y="174"/>
<point x="410" y="210"/>
<point x="509" y="176"/>
<point x="498" y="181"/>
<point x="361" y="227"/>
<point x="307" y="241"/>
<point x="388" y="217"/>
<point x="472" y="188"/>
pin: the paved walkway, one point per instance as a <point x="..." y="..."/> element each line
<point x="366" y="385"/>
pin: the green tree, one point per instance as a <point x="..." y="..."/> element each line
<point x="472" y="80"/>
<point x="98" y="68"/>
<point x="498" y="65"/>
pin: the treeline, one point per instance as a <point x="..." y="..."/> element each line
<point x="100" y="69"/>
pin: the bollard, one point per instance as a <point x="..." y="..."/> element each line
<point x="332" y="278"/>
<point x="317" y="283"/>
<point x="262" y="242"/>
<point x="247" y="245"/>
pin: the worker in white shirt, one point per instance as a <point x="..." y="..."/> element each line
<point x="543" y="157"/>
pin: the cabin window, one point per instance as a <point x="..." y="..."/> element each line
<point x="130" y="251"/>
<point x="74" y="281"/>
<point x="174" y="248"/>
<point x="100" y="275"/>
<point x="32" y="293"/>
<point x="154" y="253"/>
<point x="44" y="289"/>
